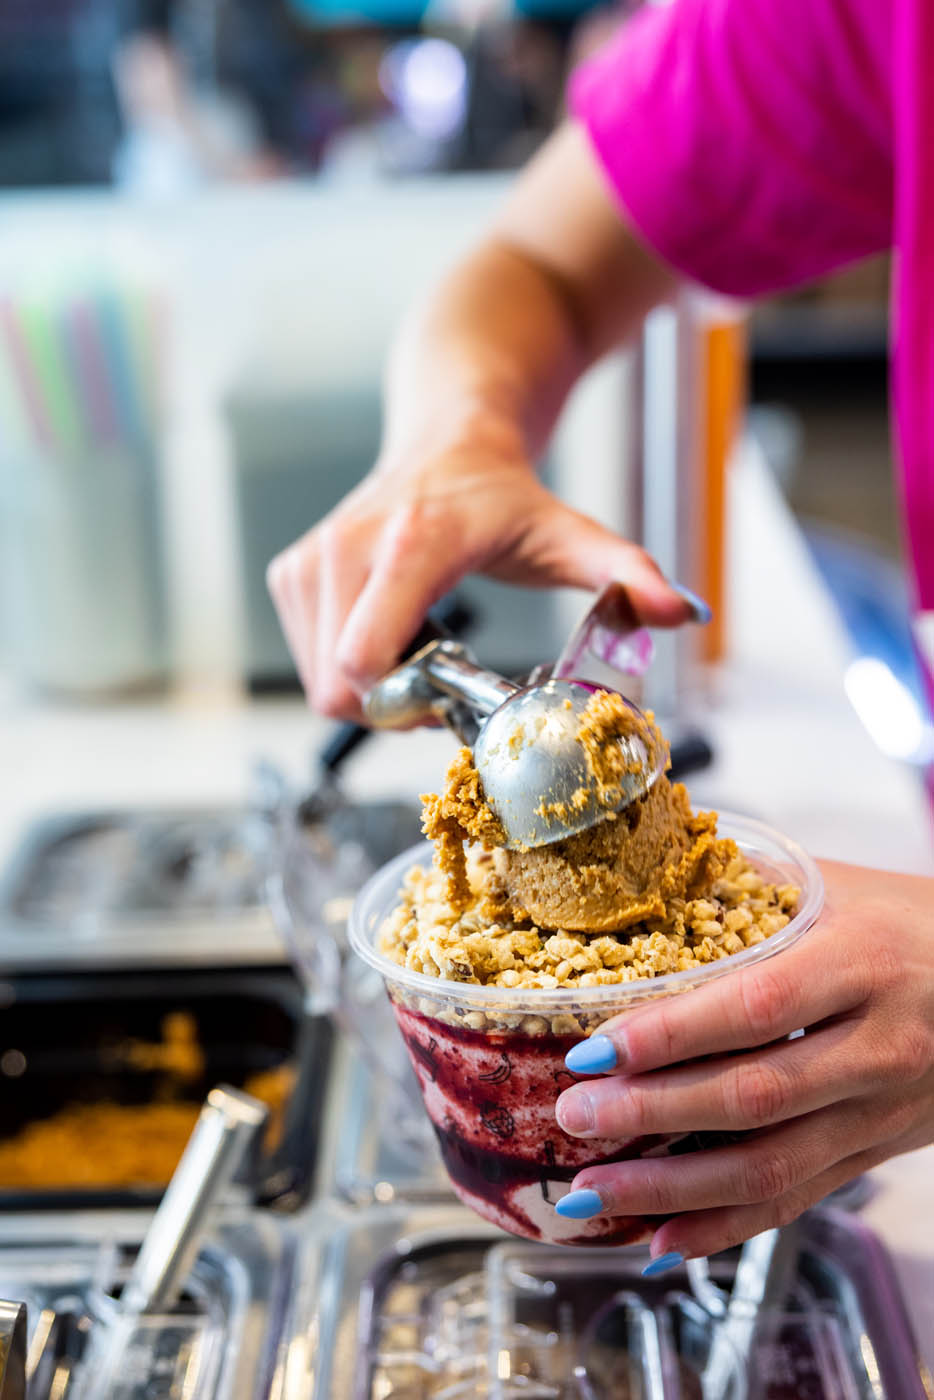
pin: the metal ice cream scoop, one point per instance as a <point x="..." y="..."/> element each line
<point x="524" y="738"/>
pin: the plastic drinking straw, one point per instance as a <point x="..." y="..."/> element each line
<point x="16" y="434"/>
<point x="30" y="393"/>
<point x="158" y="338"/>
<point x="56" y="383"/>
<point x="142" y="339"/>
<point x="83" y="336"/>
<point x="71" y="356"/>
<point x="118" y="354"/>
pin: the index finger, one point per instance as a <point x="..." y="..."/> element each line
<point x="413" y="566"/>
<point x="798" y="988"/>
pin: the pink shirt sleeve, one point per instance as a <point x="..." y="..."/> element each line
<point x="749" y="140"/>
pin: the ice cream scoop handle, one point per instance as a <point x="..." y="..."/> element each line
<point x="484" y="691"/>
<point x="226" y="1127"/>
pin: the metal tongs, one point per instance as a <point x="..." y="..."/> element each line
<point x="524" y="737"/>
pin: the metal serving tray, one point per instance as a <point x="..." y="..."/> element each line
<point x="63" y="1041"/>
<point x="219" y="1342"/>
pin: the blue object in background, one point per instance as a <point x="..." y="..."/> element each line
<point x="883" y="681"/>
<point x="410" y="13"/>
<point x="394" y="14"/>
<point x="871" y="593"/>
<point x="554" y="9"/>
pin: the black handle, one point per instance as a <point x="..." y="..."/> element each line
<point x="446" y="620"/>
<point x="344" y="739"/>
<point x="689" y="754"/>
<point x="449" y="618"/>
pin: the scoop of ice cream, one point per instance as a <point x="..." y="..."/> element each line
<point x="627" y="868"/>
<point x="460" y="813"/>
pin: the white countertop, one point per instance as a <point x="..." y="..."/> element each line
<point x="789" y="749"/>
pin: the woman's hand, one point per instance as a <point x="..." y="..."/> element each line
<point x="353" y="591"/>
<point x="857" y="1088"/>
<point x="476" y="379"/>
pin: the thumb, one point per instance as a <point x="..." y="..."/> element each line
<point x="582" y="553"/>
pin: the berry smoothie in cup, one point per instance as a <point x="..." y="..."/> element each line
<point x="496" y="962"/>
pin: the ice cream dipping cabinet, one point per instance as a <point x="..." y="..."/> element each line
<point x="338" y="1264"/>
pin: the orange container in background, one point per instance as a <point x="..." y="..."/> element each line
<point x="723" y="399"/>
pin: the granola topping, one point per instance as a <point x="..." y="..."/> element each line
<point x="424" y="933"/>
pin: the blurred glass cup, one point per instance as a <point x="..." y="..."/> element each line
<point x="82" y="570"/>
<point x="316" y="869"/>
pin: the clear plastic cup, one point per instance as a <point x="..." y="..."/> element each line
<point x="490" y="1060"/>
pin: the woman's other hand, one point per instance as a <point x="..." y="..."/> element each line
<point x="815" y="1111"/>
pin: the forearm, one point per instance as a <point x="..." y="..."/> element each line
<point x="475" y="382"/>
<point x="494" y="350"/>
<point x="500" y="342"/>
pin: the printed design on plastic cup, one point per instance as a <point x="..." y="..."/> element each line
<point x="500" y="1074"/>
<point x="564" y="1078"/>
<point x="548" y="1152"/>
<point x="427" y="1056"/>
<point x="497" y="1120"/>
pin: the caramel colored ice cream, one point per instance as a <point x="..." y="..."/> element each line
<point x="628" y="868"/>
<point x="459" y="814"/>
<point x="606" y="733"/>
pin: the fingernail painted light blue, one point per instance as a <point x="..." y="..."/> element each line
<point x="702" y="611"/>
<point x="592" y="1056"/>
<point x="662" y="1264"/>
<point x="579" y="1205"/>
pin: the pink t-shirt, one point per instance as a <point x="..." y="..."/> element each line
<point x="758" y="143"/>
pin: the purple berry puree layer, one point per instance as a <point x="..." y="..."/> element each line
<point x="491" y="1098"/>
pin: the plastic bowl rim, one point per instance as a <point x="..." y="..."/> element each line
<point x="743" y="830"/>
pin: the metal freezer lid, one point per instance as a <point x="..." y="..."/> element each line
<point x="67" y="1047"/>
<point x="189" y="887"/>
<point x="172" y="887"/>
<point x="345" y="1251"/>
